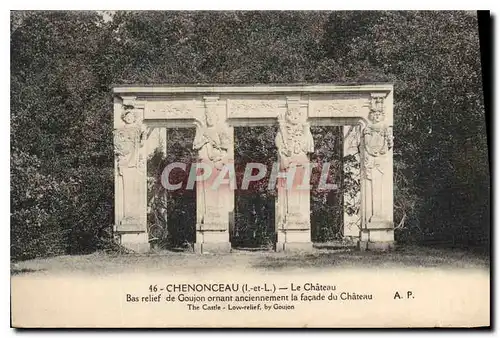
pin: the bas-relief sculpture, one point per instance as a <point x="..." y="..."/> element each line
<point x="377" y="142"/>
<point x="173" y="109"/>
<point x="130" y="162"/>
<point x="336" y="105"/>
<point x="130" y="179"/>
<point x="294" y="139"/>
<point x="365" y="109"/>
<point x="213" y="142"/>
<point x="265" y="107"/>
<point x="294" y="142"/>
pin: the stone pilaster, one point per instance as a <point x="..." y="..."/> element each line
<point x="130" y="175"/>
<point x="377" y="230"/>
<point x="294" y="142"/>
<point x="214" y="143"/>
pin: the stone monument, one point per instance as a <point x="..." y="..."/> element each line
<point x="365" y="112"/>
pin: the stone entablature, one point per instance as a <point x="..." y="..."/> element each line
<point x="142" y="114"/>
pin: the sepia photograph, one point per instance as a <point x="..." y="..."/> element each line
<point x="258" y="169"/>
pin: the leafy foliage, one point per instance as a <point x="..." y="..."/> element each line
<point x="254" y="207"/>
<point x="64" y="63"/>
<point x="327" y="205"/>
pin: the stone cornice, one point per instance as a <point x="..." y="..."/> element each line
<point x="251" y="89"/>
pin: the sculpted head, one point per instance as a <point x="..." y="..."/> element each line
<point x="293" y="115"/>
<point x="376" y="116"/>
<point x="210" y="114"/>
<point x="128" y="116"/>
<point x="377" y="109"/>
<point x="211" y="117"/>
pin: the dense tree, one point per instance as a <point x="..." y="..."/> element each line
<point x="60" y="127"/>
<point x="434" y="62"/>
<point x="63" y="65"/>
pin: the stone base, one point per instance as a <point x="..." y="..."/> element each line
<point x="216" y="247"/>
<point x="212" y="242"/>
<point x="212" y="236"/>
<point x="381" y="239"/>
<point x="377" y="239"/>
<point x="294" y="246"/>
<point x="377" y="235"/>
<point x="293" y="240"/>
<point x="375" y="246"/>
<point x="137" y="242"/>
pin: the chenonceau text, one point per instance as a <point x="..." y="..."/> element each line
<point x="233" y="287"/>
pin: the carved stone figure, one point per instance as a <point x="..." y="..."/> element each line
<point x="211" y="140"/>
<point x="377" y="142"/>
<point x="294" y="142"/>
<point x="294" y="139"/>
<point x="127" y="143"/>
<point x="378" y="139"/>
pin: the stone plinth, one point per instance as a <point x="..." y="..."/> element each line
<point x="376" y="239"/>
<point x="135" y="241"/>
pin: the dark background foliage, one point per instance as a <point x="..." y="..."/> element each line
<point x="63" y="65"/>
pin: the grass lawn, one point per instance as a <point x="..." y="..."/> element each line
<point x="102" y="263"/>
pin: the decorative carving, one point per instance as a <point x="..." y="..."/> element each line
<point x="128" y="140"/>
<point x="171" y="109"/>
<point x="294" y="142"/>
<point x="294" y="139"/>
<point x="249" y="108"/>
<point x="377" y="135"/>
<point x="212" y="139"/>
<point x="377" y="141"/>
<point x="336" y="108"/>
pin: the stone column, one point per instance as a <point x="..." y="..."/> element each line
<point x="351" y="179"/>
<point x="377" y="230"/>
<point x="294" y="142"/>
<point x="130" y="175"/>
<point x="214" y="194"/>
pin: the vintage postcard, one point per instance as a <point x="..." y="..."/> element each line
<point x="271" y="169"/>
